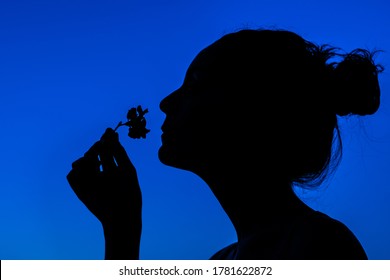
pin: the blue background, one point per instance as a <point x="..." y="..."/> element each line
<point x="70" y="69"/>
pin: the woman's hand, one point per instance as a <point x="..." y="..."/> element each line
<point x="105" y="180"/>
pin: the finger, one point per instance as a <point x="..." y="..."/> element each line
<point x="83" y="186"/>
<point x="111" y="138"/>
<point x="88" y="164"/>
<point x="78" y="163"/>
<point x="122" y="159"/>
<point x="71" y="177"/>
<point x="93" y="152"/>
<point x="77" y="181"/>
<point x="105" y="153"/>
<point x="107" y="157"/>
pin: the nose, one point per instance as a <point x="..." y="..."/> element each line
<point x="168" y="102"/>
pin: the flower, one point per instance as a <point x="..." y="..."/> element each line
<point x="136" y="123"/>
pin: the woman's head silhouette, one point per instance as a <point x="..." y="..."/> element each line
<point x="269" y="100"/>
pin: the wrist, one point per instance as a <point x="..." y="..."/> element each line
<point x="122" y="241"/>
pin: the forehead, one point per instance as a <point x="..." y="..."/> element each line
<point x="206" y="59"/>
<point x="212" y="62"/>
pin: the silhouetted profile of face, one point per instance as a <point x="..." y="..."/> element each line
<point x="208" y="123"/>
<point x="225" y="114"/>
<point x="192" y="129"/>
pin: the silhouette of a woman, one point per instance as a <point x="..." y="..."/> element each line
<point x="255" y="115"/>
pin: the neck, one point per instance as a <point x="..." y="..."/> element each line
<point x="252" y="207"/>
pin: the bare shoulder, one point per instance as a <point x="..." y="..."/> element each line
<point x="323" y="237"/>
<point x="227" y="253"/>
<point x="312" y="236"/>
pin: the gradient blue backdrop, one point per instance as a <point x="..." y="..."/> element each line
<point x="70" y="69"/>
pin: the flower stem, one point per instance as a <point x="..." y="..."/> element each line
<point x="119" y="125"/>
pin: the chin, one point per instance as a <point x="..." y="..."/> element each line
<point x="171" y="158"/>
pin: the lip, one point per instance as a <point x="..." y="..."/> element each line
<point x="164" y="129"/>
<point x="163" y="133"/>
<point x="166" y="137"/>
<point x="168" y="133"/>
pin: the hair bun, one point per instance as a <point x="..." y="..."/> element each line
<point x="356" y="82"/>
